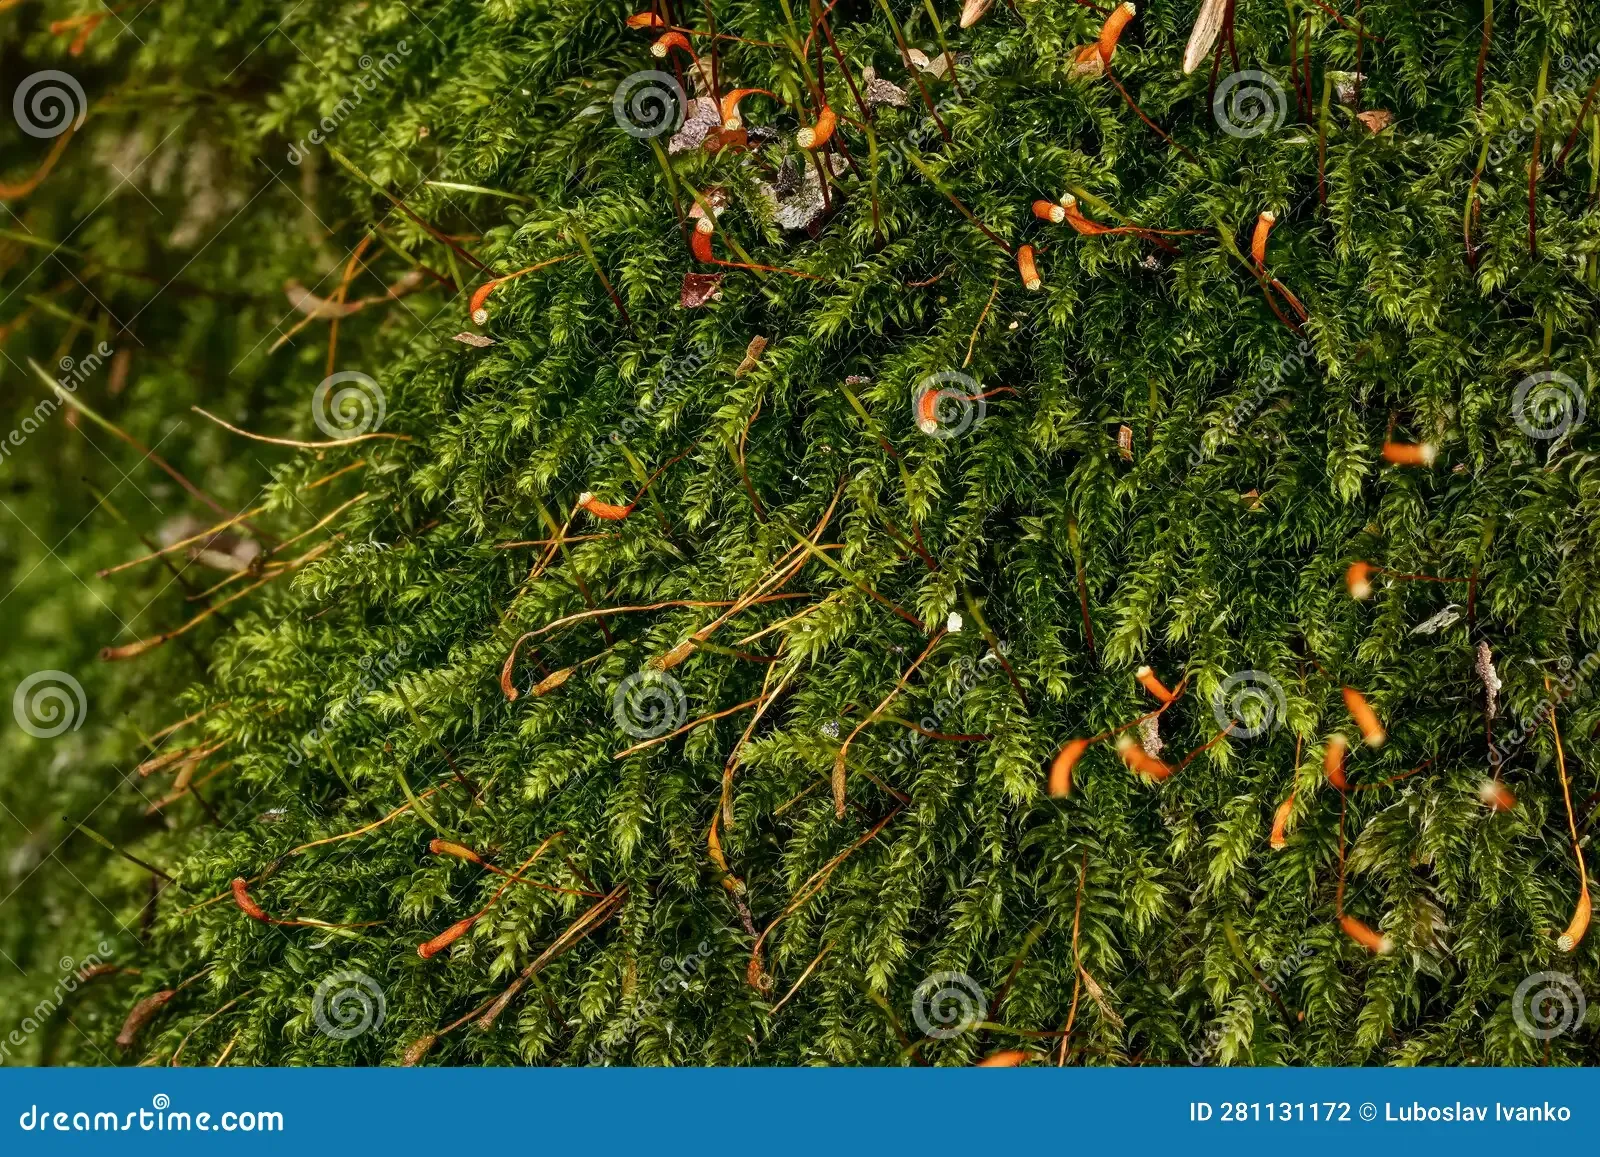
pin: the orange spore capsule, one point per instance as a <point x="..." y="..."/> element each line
<point x="1151" y="683"/>
<point x="1026" y="267"/>
<point x="1280" y="822"/>
<point x="451" y="848"/>
<point x="667" y="42"/>
<point x="606" y="510"/>
<point x="1571" y="938"/>
<point x="241" y="897"/>
<point x="646" y="20"/>
<point x="731" y="120"/>
<point x="1005" y="1059"/>
<point x="1140" y="760"/>
<point x="1496" y="796"/>
<point x="1368" y="938"/>
<point x="430" y="948"/>
<point x="1061" y="766"/>
<point x="700" y="244"/>
<point x="1333" y="761"/>
<point x="1372" y="732"/>
<point x="1049" y="211"/>
<point x="1258" y="242"/>
<point x="1410" y="453"/>
<point x="1358" y="580"/>
<point x="1111" y="30"/>
<point x="817" y="135"/>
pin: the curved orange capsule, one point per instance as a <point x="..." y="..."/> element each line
<point x="731" y="120"/>
<point x="667" y="41"/>
<point x="646" y="20"/>
<point x="1368" y="938"/>
<point x="700" y="243"/>
<point x="241" y="897"/>
<point x="1026" y="267"/>
<point x="1258" y="242"/>
<point x="817" y="135"/>
<point x="1496" y="796"/>
<point x="928" y="410"/>
<point x="451" y="848"/>
<point x="1570" y="939"/>
<point x="1358" y="580"/>
<point x="430" y="948"/>
<point x="1141" y="761"/>
<point x="1151" y="683"/>
<point x="1410" y="453"/>
<point x="1280" y="822"/>
<point x="1372" y="732"/>
<point x="1333" y="761"/>
<point x="1005" y="1059"/>
<point x="606" y="510"/>
<point x="479" y="296"/>
<point x="1049" y="211"/>
<point x="551" y="681"/>
<point x="1111" y="30"/>
<point x="1061" y="766"/>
